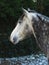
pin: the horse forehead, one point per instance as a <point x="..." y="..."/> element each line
<point x="31" y="16"/>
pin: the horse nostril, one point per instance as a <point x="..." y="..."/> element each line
<point x="14" y="39"/>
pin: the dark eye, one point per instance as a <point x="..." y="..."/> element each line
<point x="20" y="22"/>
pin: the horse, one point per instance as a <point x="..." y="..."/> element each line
<point x="32" y="22"/>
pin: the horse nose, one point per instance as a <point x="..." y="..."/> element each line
<point x="14" y="39"/>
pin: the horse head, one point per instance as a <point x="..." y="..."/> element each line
<point x="24" y="26"/>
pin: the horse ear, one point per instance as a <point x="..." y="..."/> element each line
<point x="29" y="9"/>
<point x="25" y="11"/>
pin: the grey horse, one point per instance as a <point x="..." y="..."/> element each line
<point x="32" y="22"/>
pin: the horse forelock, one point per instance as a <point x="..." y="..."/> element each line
<point x="21" y="17"/>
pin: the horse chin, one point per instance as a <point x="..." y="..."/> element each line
<point x="15" y="42"/>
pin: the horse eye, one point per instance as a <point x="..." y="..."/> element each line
<point x="20" y="22"/>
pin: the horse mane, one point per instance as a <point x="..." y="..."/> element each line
<point x="40" y="16"/>
<point x="41" y="28"/>
<point x="43" y="18"/>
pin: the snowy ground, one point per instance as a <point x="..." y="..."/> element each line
<point x="25" y="60"/>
